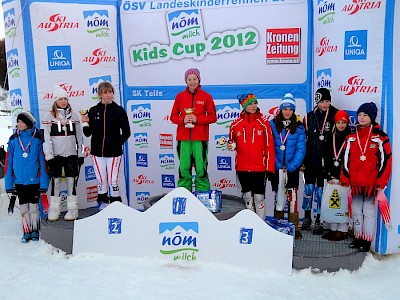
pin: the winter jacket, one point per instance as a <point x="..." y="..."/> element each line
<point x="254" y="143"/>
<point x="364" y="176"/>
<point x="315" y="147"/>
<point x="204" y="110"/>
<point x="295" y="147"/>
<point x="29" y="170"/>
<point x="109" y="128"/>
<point x="62" y="134"/>
<point x="333" y="170"/>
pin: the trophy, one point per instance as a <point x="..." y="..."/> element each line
<point x="189" y="111"/>
<point x="83" y="112"/>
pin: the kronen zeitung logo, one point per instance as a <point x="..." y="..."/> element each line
<point x="187" y="40"/>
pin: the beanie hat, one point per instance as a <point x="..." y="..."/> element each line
<point x="288" y="102"/>
<point x="246" y="99"/>
<point x="27" y="118"/>
<point x="342" y="115"/>
<point x="192" y="71"/>
<point x="59" y="92"/>
<point x="370" y="109"/>
<point x="322" y="94"/>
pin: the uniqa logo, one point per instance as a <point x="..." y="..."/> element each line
<point x="56" y="22"/>
<point x="179" y="240"/>
<point x="99" y="56"/>
<point x="325" y="47"/>
<point x="356" y="85"/>
<point x="358" y="5"/>
<point x="224" y="183"/>
<point x="142" y="179"/>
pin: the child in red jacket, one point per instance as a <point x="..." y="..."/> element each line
<point x="367" y="167"/>
<point x="251" y="136"/>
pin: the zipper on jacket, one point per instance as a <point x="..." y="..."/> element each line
<point x="104" y="130"/>
<point x="190" y="136"/>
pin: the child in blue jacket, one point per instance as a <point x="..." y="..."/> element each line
<point x="26" y="174"/>
<point x="290" y="149"/>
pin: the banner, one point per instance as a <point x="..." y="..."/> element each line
<point x="246" y="46"/>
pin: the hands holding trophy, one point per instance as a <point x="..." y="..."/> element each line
<point x="189" y="118"/>
<point x="84" y="115"/>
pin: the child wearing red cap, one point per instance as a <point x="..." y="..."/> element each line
<point x="333" y="163"/>
<point x="366" y="169"/>
<point x="193" y="111"/>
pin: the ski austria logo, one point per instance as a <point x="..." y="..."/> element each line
<point x="326" y="11"/>
<point x="324" y="78"/>
<point x="72" y="93"/>
<point x="227" y="113"/>
<point x="179" y="205"/>
<point x="167" y="161"/>
<point x="140" y="140"/>
<point x="141" y="114"/>
<point x="97" y="22"/>
<point x="99" y="56"/>
<point x="89" y="173"/>
<point x="168" y="181"/>
<point x="141" y="160"/>
<point x="94" y="83"/>
<point x="356" y="84"/>
<point x="141" y="197"/>
<point x="59" y="58"/>
<point x="283" y="46"/>
<point x="142" y="179"/>
<point x="221" y="141"/>
<point x="10" y="27"/>
<point x="179" y="240"/>
<point x="224" y="163"/>
<point x="224" y="183"/>
<point x="13" y="68"/>
<point x="16" y="101"/>
<point x="56" y="22"/>
<point x="355" y="45"/>
<point x="325" y="46"/>
<point x="360" y="5"/>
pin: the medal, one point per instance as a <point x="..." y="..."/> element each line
<point x="64" y="128"/>
<point x="283" y="140"/>
<point x="321" y="131"/>
<point x="363" y="157"/>
<point x="25" y="149"/>
<point x="337" y="153"/>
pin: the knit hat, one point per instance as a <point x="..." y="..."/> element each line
<point x="192" y="71"/>
<point x="288" y="102"/>
<point x="246" y="99"/>
<point x="342" y="115"/>
<point x="370" y="109"/>
<point x="322" y="94"/>
<point x="59" y="92"/>
<point x="27" y="118"/>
